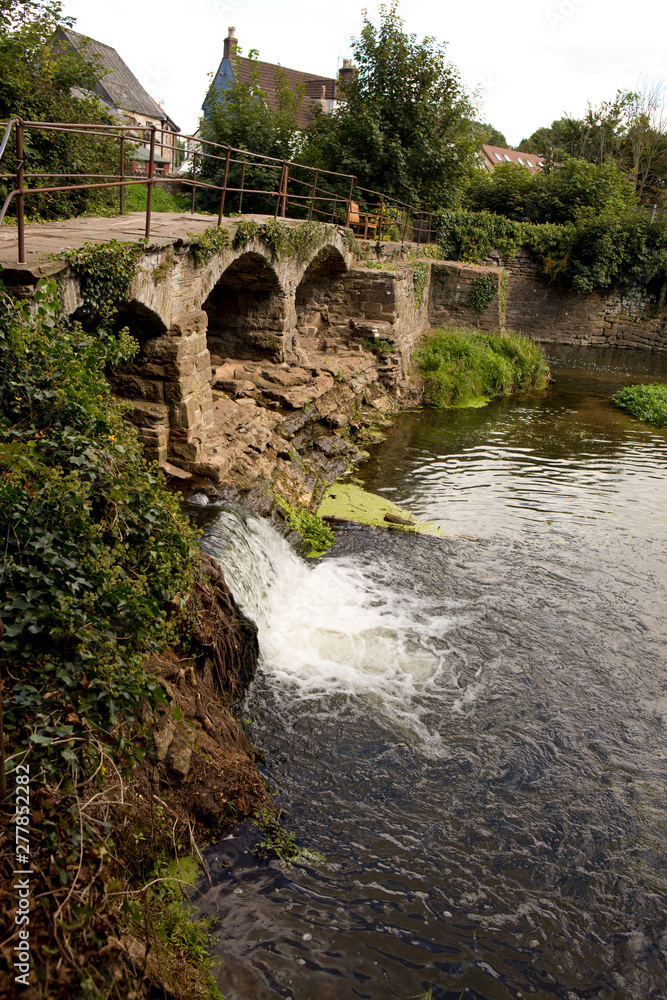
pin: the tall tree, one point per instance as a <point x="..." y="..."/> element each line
<point x="406" y="127"/>
<point x="38" y="82"/>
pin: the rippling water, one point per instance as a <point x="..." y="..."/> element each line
<point x="472" y="733"/>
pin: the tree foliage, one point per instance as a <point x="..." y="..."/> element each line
<point x="406" y="127"/>
<point x="36" y="83"/>
<point x="95" y="548"/>
<point x="571" y="191"/>
<point x="629" y="131"/>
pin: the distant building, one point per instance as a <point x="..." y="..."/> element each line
<point x="120" y="89"/>
<point x="493" y="155"/>
<point x="319" y="90"/>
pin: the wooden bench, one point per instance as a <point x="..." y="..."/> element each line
<point x="362" y="223"/>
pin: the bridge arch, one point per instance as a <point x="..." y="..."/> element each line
<point x="318" y="294"/>
<point x="247" y="311"/>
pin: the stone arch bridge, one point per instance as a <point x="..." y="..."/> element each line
<point x="248" y="328"/>
<point x="252" y="363"/>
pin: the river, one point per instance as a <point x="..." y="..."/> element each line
<point x="473" y="733"/>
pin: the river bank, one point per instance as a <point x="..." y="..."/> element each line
<point x="471" y="732"/>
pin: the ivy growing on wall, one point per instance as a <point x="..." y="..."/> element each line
<point x="419" y="280"/>
<point x="105" y="270"/>
<point x="206" y="245"/>
<point x="483" y="292"/>
<point x="299" y="240"/>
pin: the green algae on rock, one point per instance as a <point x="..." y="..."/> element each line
<point x="348" y="501"/>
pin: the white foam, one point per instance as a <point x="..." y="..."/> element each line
<point x="339" y="626"/>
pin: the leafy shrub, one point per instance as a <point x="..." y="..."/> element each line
<point x="594" y="254"/>
<point x="471" y="236"/>
<point x="205" y="246"/>
<point x="460" y="367"/>
<point x="647" y="402"/>
<point x="96" y="550"/>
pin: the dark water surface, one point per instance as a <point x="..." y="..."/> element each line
<point x="472" y="733"/>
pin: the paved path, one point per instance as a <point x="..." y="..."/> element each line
<point x="44" y="238"/>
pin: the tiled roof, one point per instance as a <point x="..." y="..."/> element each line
<point x="119" y="86"/>
<point x="497" y="154"/>
<point x="295" y="78"/>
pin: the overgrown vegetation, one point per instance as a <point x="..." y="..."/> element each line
<point x="204" y="247"/>
<point x="465" y="367"/>
<point x="299" y="240"/>
<point x="317" y="536"/>
<point x="592" y="255"/>
<point x="483" y="292"/>
<point x="97" y="558"/>
<point x="647" y="402"/>
<point x="105" y="270"/>
<point x="96" y="549"/>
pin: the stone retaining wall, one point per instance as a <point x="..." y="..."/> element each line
<point x="551" y="314"/>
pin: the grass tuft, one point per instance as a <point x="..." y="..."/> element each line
<point x="464" y="367"/>
<point x="647" y="402"/>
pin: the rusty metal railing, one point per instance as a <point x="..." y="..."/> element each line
<point x="300" y="191"/>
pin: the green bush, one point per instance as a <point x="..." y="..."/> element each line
<point x="96" y="551"/>
<point x="471" y="236"/>
<point x="463" y="367"/>
<point x="592" y="255"/>
<point x="647" y="402"/>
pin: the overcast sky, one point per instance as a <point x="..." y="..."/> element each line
<point x="530" y="60"/>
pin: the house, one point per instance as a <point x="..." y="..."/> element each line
<point x="493" y="155"/>
<point x="319" y="90"/>
<point x="120" y="89"/>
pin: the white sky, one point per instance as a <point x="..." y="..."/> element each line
<point x="531" y="60"/>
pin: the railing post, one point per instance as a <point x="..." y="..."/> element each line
<point x="280" y="190"/>
<point x="224" y="187"/>
<point x="312" y="196"/>
<point x="430" y="226"/>
<point x="194" y="178"/>
<point x="149" y="193"/>
<point x="122" y="174"/>
<point x="283" y="212"/>
<point x="19" y="184"/>
<point x="242" y="184"/>
<point x="349" y="201"/>
<point x="379" y="230"/>
<point x="405" y="227"/>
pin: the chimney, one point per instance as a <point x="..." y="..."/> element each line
<point x="347" y="72"/>
<point x="230" y="43"/>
